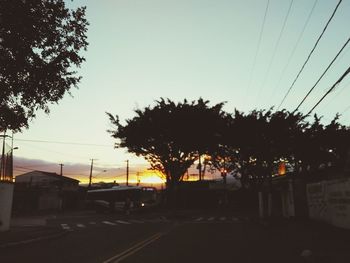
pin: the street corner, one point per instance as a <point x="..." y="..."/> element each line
<point x="22" y="235"/>
<point x="34" y="221"/>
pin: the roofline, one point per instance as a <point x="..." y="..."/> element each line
<point x="53" y="175"/>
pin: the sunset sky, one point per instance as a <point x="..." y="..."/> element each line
<point x="141" y="50"/>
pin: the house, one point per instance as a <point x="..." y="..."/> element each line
<point x="39" y="190"/>
<point x="48" y="180"/>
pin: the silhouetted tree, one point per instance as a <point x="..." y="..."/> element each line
<point x="40" y="41"/>
<point x="323" y="145"/>
<point x="256" y="141"/>
<point x="170" y="136"/>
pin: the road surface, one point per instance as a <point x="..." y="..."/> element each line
<point x="199" y="238"/>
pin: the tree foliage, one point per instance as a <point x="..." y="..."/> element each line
<point x="255" y="141"/>
<point x="40" y="41"/>
<point x="170" y="136"/>
<point x="323" y="144"/>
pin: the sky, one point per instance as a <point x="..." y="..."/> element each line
<point x="222" y="50"/>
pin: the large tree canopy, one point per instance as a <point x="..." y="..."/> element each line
<point x="170" y="135"/>
<point x="40" y="41"/>
<point x="253" y="142"/>
<point x="258" y="141"/>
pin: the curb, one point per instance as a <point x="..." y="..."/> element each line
<point x="28" y="241"/>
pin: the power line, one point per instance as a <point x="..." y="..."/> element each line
<point x="41" y="165"/>
<point x="346" y="109"/>
<point x="60" y="153"/>
<point x="331" y="89"/>
<point x="311" y="52"/>
<point x="319" y="79"/>
<point x="259" y="43"/>
<point x="59" y="142"/>
<point x="25" y="168"/>
<point x="336" y="95"/>
<point x="295" y="46"/>
<point x="275" y="48"/>
<point x="21" y="170"/>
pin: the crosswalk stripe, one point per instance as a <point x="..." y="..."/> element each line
<point x="108" y="223"/>
<point x="122" y="222"/>
<point x="136" y="221"/>
<point x="80" y="225"/>
<point x="199" y="219"/>
<point x="65" y="226"/>
<point x="155" y="220"/>
<point x="211" y="218"/>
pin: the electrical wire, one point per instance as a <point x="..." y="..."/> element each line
<point x="275" y="49"/>
<point x="331" y="89"/>
<point x="311" y="52"/>
<point x="319" y="79"/>
<point x="295" y="47"/>
<point x="59" y="142"/>
<point x="336" y="95"/>
<point x="51" y="151"/>
<point x="344" y="111"/>
<point x="258" y="46"/>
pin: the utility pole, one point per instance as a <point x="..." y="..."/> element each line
<point x="11" y="171"/>
<point x="61" y="164"/>
<point x="200" y="167"/>
<point x="2" y="167"/>
<point x="91" y="167"/>
<point x="127" y="172"/>
<point x="138" y="178"/>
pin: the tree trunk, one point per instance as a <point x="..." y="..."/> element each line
<point x="172" y="191"/>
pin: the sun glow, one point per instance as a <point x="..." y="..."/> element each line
<point x="152" y="177"/>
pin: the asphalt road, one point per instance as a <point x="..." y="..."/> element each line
<point x="197" y="238"/>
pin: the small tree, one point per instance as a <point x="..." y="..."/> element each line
<point x="170" y="135"/>
<point x="40" y="41"/>
<point x="255" y="141"/>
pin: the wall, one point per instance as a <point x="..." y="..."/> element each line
<point x="329" y="201"/>
<point x="6" y="194"/>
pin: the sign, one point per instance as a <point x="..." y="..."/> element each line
<point x="329" y="201"/>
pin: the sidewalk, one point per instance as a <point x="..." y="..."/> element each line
<point x="26" y="230"/>
<point x="326" y="242"/>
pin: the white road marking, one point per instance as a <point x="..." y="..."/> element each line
<point x="222" y="218"/>
<point x="199" y="219"/>
<point x="92" y="223"/>
<point x="80" y="225"/>
<point x="108" y="223"/>
<point x="211" y="218"/>
<point x="122" y="222"/>
<point x="154" y="220"/>
<point x="65" y="226"/>
<point x="136" y="221"/>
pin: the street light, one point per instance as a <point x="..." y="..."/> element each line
<point x="6" y="175"/>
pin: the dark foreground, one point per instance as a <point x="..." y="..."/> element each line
<point x="200" y="237"/>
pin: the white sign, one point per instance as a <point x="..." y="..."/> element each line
<point x="329" y="201"/>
